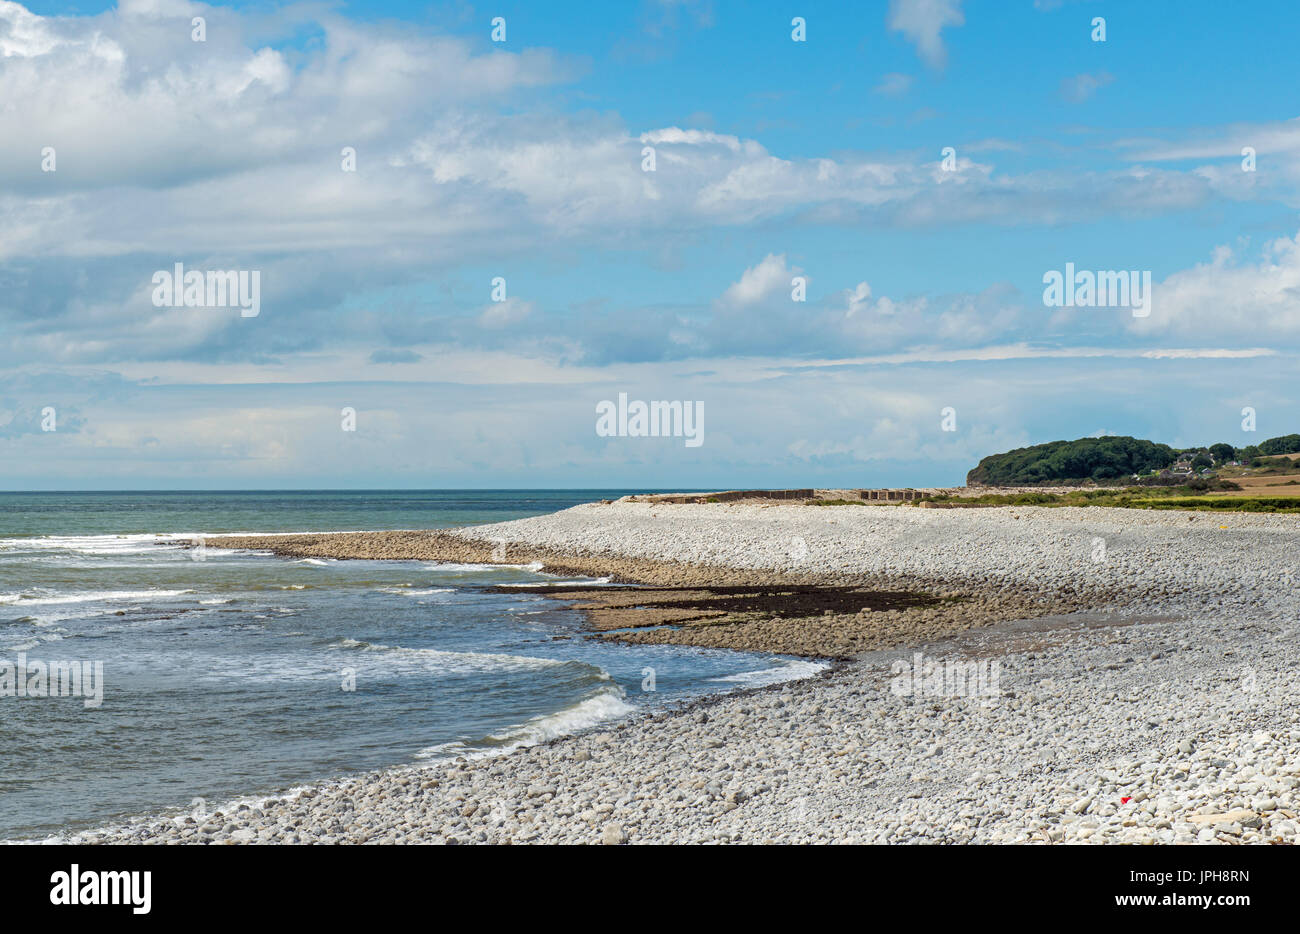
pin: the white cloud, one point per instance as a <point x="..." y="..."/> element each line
<point x="1079" y="88"/>
<point x="127" y="97"/>
<point x="242" y="151"/>
<point x="1230" y="301"/>
<point x="1281" y="136"/>
<point x="894" y="84"/>
<point x="770" y="277"/>
<point x="505" y="313"/>
<point x="675" y="134"/>
<point x="239" y="167"/>
<point x="922" y="22"/>
<point x="857" y="299"/>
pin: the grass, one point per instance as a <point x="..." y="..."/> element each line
<point x="1135" y="498"/>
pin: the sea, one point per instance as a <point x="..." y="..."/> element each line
<point x="210" y="676"/>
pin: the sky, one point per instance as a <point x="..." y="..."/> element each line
<point x="449" y="305"/>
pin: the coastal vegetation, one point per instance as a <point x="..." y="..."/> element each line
<point x="1106" y="458"/>
<point x="1137" y="474"/>
<point x="1181" y="497"/>
<point x="1123" y="460"/>
<point x="1286" y="444"/>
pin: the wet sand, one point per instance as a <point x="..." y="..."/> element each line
<point x="707" y="606"/>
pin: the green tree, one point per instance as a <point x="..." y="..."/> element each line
<point x="1222" y="452"/>
<point x="1286" y="444"/>
<point x="1106" y="458"/>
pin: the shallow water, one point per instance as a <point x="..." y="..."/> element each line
<point x="229" y="673"/>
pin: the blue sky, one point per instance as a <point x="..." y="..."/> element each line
<point x="523" y="159"/>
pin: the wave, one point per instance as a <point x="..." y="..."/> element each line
<point x="417" y="593"/>
<point x="99" y="546"/>
<point x="606" y="705"/>
<point x="470" y="567"/>
<point x="84" y="544"/>
<point x="563" y="582"/>
<point x="790" y="671"/>
<point x="33" y="643"/>
<point x="599" y="708"/>
<point x="460" y="662"/>
<point x="95" y="596"/>
<point x="590" y="712"/>
<point x="45" y="619"/>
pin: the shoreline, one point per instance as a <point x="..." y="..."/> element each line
<point x="723" y="785"/>
<point x="872" y="610"/>
<point x="1168" y="721"/>
<point x="155" y="828"/>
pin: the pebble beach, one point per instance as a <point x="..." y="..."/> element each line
<point x="1144" y="690"/>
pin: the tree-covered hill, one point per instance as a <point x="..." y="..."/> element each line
<point x="1286" y="444"/>
<point x="1105" y="458"/>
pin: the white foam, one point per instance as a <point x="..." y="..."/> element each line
<point x="561" y="582"/>
<point x="84" y="544"/>
<point x="132" y="544"/>
<point x="790" y="671"/>
<point x="96" y="596"/>
<point x="587" y="713"/>
<point x="604" y="706"/>
<point x="453" y="662"/>
<point x="417" y="593"/>
<point x="462" y="567"/>
<point x="600" y="708"/>
<point x="49" y="619"/>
